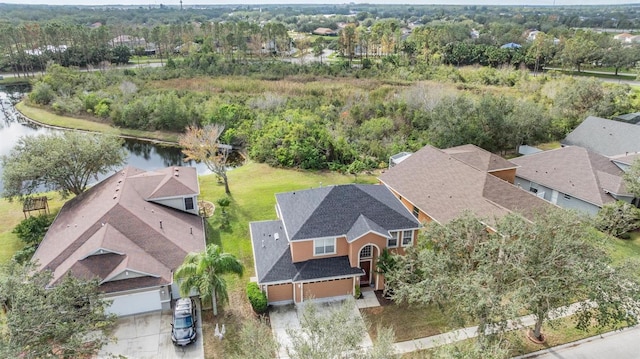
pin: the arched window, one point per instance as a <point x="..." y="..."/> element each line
<point x="365" y="252"/>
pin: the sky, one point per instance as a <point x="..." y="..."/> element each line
<point x="245" y="2"/>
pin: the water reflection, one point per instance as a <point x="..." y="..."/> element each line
<point x="141" y="154"/>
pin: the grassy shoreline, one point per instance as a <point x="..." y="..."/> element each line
<point x="49" y="119"/>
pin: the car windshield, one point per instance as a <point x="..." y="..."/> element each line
<point x="183" y="322"/>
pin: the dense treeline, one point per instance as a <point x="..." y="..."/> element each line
<point x="392" y="86"/>
<point x="541" y="17"/>
<point x="328" y="116"/>
<point x="29" y="47"/>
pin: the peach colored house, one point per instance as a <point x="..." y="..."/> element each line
<point x="438" y="185"/>
<point x="327" y="240"/>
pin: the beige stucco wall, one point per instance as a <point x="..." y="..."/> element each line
<point x="303" y="250"/>
<point x="422" y="217"/>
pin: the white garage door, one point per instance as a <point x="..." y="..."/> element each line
<point x="135" y="303"/>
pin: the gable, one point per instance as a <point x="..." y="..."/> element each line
<point x="111" y="228"/>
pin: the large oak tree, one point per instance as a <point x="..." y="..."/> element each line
<point x="64" y="161"/>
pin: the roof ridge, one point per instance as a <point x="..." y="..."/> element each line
<point x="302" y="225"/>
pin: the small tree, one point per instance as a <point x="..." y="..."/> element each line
<point x="617" y="218"/>
<point x="31" y="231"/>
<point x="337" y="334"/>
<point x="62" y="161"/>
<point x="632" y="178"/>
<point x="355" y="168"/>
<point x="205" y="272"/>
<point x="256" y="341"/>
<point x="202" y="145"/>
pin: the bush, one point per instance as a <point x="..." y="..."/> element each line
<point x="42" y="94"/>
<point x="257" y="298"/>
<point x="31" y="231"/>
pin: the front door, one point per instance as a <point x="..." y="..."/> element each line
<point x="366" y="278"/>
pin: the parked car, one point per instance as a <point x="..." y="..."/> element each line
<point x="183" y="330"/>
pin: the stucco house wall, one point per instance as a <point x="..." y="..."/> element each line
<point x="558" y="198"/>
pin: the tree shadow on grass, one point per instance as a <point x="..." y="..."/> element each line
<point x="212" y="234"/>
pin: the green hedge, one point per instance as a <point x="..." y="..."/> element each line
<point x="257" y="298"/>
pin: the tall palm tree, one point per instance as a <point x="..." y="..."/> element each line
<point x="204" y="271"/>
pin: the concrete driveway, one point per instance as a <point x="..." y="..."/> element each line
<point x="148" y="336"/>
<point x="285" y="317"/>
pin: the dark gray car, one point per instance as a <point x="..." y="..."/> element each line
<point x="183" y="330"/>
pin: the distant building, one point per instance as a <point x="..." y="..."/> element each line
<point x="324" y="31"/>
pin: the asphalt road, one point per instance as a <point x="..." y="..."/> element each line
<point x="623" y="344"/>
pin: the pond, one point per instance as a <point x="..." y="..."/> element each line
<point x="142" y="154"/>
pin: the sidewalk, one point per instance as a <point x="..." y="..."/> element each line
<point x="472" y="332"/>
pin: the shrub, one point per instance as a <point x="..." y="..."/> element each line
<point x="42" y="94"/>
<point x="257" y="298"/>
<point x="31" y="231"/>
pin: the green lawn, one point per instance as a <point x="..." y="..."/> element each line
<point x="10" y="216"/>
<point x="253" y="186"/>
<point x="622" y="249"/>
<point x="48" y="118"/>
<point x="557" y="332"/>
<point x="408" y="321"/>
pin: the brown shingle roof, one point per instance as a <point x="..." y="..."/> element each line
<point x="479" y="158"/>
<point x="113" y="216"/>
<point x="443" y="186"/>
<point x="575" y="171"/>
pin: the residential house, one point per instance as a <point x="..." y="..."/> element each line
<point x="625" y="161"/>
<point x="606" y="137"/>
<point x="633" y="118"/>
<point x="323" y="31"/>
<point x="439" y="185"/>
<point x="511" y="46"/>
<point x="131" y="231"/>
<point x="327" y="240"/>
<point x="623" y="37"/>
<point x="572" y="177"/>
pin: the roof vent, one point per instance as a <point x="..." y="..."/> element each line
<point x="276" y="236"/>
<point x="263" y="243"/>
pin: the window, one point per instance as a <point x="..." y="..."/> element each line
<point x="567" y="197"/>
<point x="188" y="203"/>
<point x="365" y="252"/>
<point x="324" y="246"/>
<point x="407" y="238"/>
<point x="415" y="211"/>
<point x="393" y="241"/>
<point x="534" y="190"/>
